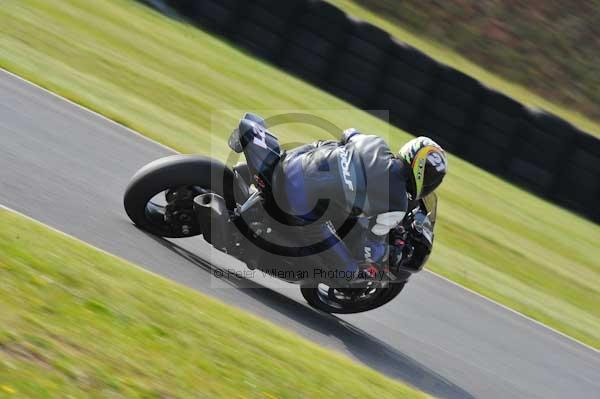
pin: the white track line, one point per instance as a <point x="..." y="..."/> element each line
<point x="173" y="150"/>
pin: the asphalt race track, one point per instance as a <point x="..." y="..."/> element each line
<point x="68" y="167"/>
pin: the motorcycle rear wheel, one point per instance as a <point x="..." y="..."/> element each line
<point x="195" y="173"/>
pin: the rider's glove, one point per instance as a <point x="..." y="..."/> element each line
<point x="419" y="242"/>
<point x="422" y="230"/>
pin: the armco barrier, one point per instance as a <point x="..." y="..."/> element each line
<point x="363" y="65"/>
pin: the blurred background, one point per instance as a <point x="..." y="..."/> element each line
<point x="550" y="47"/>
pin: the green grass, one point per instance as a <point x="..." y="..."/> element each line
<point x="79" y="323"/>
<point x="168" y="80"/>
<point x="448" y="56"/>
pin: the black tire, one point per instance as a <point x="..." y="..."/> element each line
<point x="460" y="80"/>
<point x="402" y="72"/>
<point x="502" y="103"/>
<point x="314" y="298"/>
<point x="173" y="172"/>
<point x="409" y="55"/>
<point x="504" y="123"/>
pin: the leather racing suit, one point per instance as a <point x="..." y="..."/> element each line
<point x="338" y="190"/>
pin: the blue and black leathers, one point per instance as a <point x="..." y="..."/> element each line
<point x="337" y="190"/>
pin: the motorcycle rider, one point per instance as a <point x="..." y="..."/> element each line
<point x="323" y="185"/>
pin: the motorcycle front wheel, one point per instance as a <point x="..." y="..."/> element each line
<point x="345" y="301"/>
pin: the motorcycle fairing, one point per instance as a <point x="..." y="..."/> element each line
<point x="261" y="149"/>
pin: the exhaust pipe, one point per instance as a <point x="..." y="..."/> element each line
<point x="213" y="219"/>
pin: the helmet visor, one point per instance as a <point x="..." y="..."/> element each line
<point x="429" y="169"/>
<point x="432" y="181"/>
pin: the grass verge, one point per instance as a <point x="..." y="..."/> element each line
<point x="79" y="323"/>
<point x="167" y="80"/>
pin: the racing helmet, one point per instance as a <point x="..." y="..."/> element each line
<point x="428" y="165"/>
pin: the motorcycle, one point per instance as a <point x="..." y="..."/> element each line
<point x="235" y="211"/>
